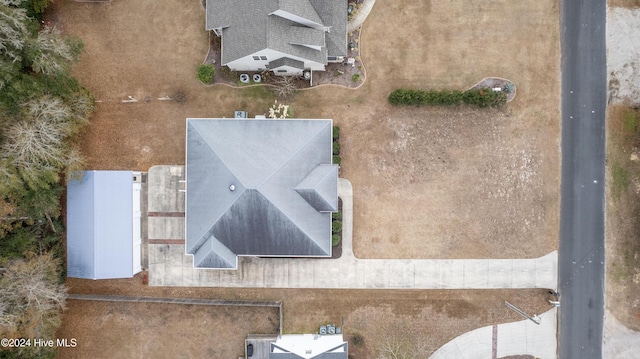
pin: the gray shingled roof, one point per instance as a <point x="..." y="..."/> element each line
<point x="248" y="28"/>
<point x="334" y="14"/>
<point x="269" y="163"/>
<point x="286" y="61"/>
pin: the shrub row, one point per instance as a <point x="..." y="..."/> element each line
<point x="480" y="97"/>
<point x="336" y="160"/>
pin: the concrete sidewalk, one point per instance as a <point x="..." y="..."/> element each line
<point x="360" y="16"/>
<point x="503" y="340"/>
<point x="169" y="266"/>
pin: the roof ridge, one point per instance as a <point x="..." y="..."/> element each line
<point x="294" y="153"/>
<point x="289" y="218"/>
<point x="202" y="240"/>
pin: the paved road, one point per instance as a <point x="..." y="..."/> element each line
<point x="581" y="261"/>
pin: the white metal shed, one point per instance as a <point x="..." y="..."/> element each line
<point x="103" y="225"/>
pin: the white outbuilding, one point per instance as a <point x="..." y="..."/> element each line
<point x="103" y="225"/>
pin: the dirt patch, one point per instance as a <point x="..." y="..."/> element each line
<point x="435" y="317"/>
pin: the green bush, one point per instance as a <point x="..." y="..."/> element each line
<point x="480" y="97"/>
<point x="336" y="160"/>
<point x="206" y="73"/>
<point x="336" y="132"/>
<point x="336" y="216"/>
<point x="35" y="8"/>
<point x="336" y="226"/>
<point x="336" y="148"/>
<point x="335" y="239"/>
<point x="355" y="77"/>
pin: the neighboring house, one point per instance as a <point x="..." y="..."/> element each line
<point x="258" y="188"/>
<point x="283" y="36"/>
<point x="103" y="225"/>
<point x="309" y="346"/>
<point x="297" y="346"/>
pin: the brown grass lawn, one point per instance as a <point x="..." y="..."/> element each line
<point x="428" y="182"/>
<point x="623" y="209"/>
<point x="106" y="330"/>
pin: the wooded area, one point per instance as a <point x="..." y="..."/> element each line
<point x="42" y="110"/>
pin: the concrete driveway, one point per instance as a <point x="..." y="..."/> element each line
<point x="169" y="266"/>
<point x="505" y="340"/>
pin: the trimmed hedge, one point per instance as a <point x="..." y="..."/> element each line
<point x="335" y="239"/>
<point x="481" y="97"/>
<point x="336" y="133"/>
<point x="336" y="216"/>
<point x="336" y="226"/>
<point x="336" y="148"/>
<point x="336" y="160"/>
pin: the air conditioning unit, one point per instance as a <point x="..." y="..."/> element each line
<point x="137" y="177"/>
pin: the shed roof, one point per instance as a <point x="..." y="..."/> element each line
<point x="100" y="225"/>
<point x="244" y="183"/>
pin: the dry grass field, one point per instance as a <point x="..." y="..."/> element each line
<point x="623" y="208"/>
<point x="452" y="182"/>
<point x="123" y="330"/>
<point x="428" y="182"/>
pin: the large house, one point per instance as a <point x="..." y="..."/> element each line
<point x="283" y="36"/>
<point x="258" y="187"/>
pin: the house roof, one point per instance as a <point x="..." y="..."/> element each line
<point x="258" y="187"/>
<point x="285" y="61"/>
<point x="249" y="26"/>
<point x="309" y="346"/>
<point x="100" y="225"/>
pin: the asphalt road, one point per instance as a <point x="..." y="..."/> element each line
<point x="581" y="253"/>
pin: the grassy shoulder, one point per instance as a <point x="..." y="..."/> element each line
<point x="623" y="209"/>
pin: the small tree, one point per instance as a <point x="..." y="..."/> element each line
<point x="206" y="73"/>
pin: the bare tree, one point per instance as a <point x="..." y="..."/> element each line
<point x="31" y="300"/>
<point x="51" y="53"/>
<point x="38" y="140"/>
<point x="401" y="348"/>
<point x="285" y="86"/>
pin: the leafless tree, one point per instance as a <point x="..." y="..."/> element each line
<point x="51" y="53"/>
<point x="38" y="140"/>
<point x="31" y="300"/>
<point x="285" y="86"/>
<point x="401" y="347"/>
